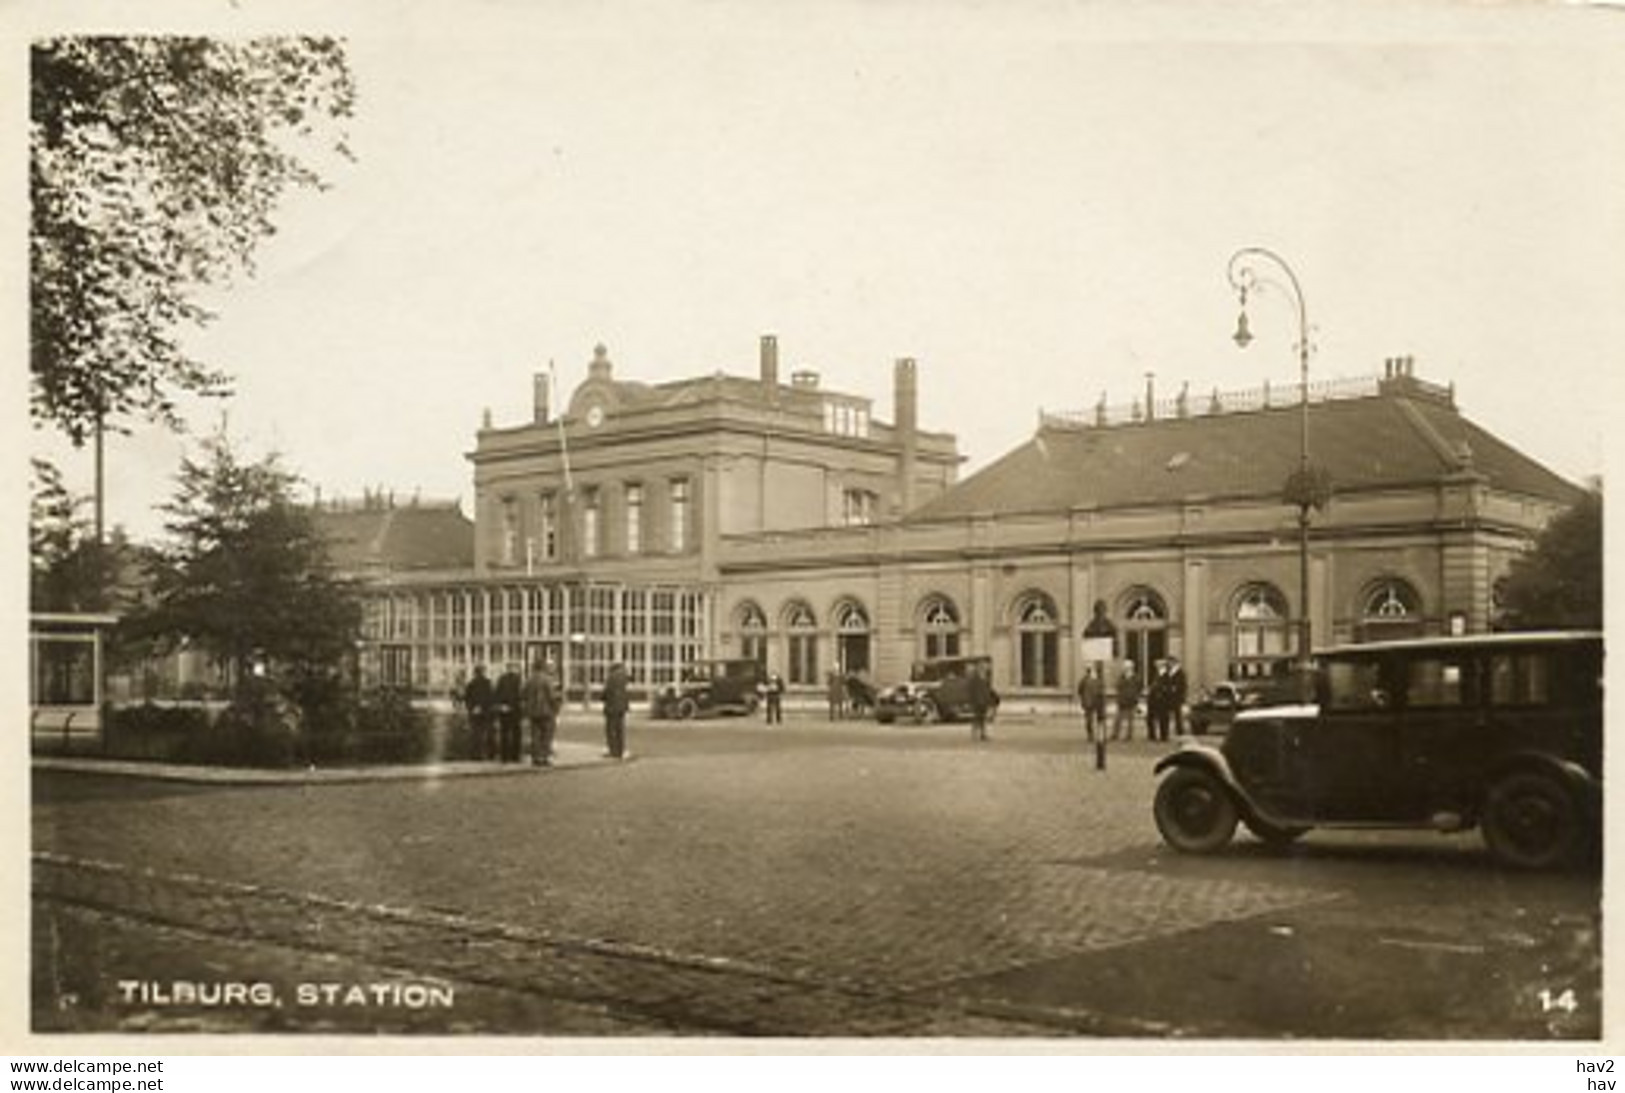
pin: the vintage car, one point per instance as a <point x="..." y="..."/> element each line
<point x="1217" y="706"/>
<point x="710" y="687"/>
<point x="937" y="690"/>
<point x="1500" y="731"/>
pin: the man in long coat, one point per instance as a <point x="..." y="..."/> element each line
<point x="616" y="703"/>
<point x="541" y="703"/>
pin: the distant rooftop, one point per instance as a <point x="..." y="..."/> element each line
<point x="375" y="532"/>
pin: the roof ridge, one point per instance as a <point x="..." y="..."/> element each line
<point x="1441" y="447"/>
<point x="376" y="547"/>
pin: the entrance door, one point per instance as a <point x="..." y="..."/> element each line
<point x="548" y="652"/>
<point x="854" y="652"/>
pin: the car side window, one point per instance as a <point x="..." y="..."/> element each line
<point x="1435" y="682"/>
<point x="1353" y="685"/>
<point x="1520" y="679"/>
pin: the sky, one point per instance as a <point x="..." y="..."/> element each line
<point x="1036" y="201"/>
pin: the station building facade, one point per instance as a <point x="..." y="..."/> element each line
<point x="744" y="517"/>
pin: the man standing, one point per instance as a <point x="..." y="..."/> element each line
<point x="1092" y="696"/>
<point x="616" y="704"/>
<point x="1128" y="701"/>
<point x="1178" y="691"/>
<point x="542" y="710"/>
<point x="479" y="700"/>
<point x="508" y="699"/>
<point x="774" y="690"/>
<point x="979" y="696"/>
<point x="835" y="687"/>
<point x="1156" y="702"/>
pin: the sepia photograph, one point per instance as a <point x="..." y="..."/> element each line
<point x="766" y="527"/>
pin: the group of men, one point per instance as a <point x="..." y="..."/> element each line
<point x="1164" y="701"/>
<point x="497" y="711"/>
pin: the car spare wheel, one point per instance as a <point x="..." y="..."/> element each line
<point x="1194" y="811"/>
<point x="1530" y="821"/>
<point x="687" y="708"/>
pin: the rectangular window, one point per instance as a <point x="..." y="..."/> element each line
<point x="679" y="515"/>
<point x="1437" y="682"/>
<point x="858" y="507"/>
<point x="1039" y="658"/>
<point x="803" y="658"/>
<point x="589" y="522"/>
<point x="510" y="531"/>
<point x="1520" y="679"/>
<point x="64" y="670"/>
<point x="634" y="518"/>
<point x="1354" y="685"/>
<point x="395" y="666"/>
<point x="547" y="526"/>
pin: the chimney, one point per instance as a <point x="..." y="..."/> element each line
<point x="1150" y="396"/>
<point x="905" y="408"/>
<point x="539" y="397"/>
<point x="770" y="367"/>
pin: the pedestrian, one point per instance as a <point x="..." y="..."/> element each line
<point x="979" y="696"/>
<point x="479" y="699"/>
<point x="616" y="704"/>
<point x="1178" y="692"/>
<point x="509" y="700"/>
<point x="1092" y="697"/>
<point x="1156" y="702"/>
<point x="835" y="686"/>
<point x="541" y="701"/>
<point x="1128" y="701"/>
<point x="773" y="690"/>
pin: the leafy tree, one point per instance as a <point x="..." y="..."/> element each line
<point x="155" y="164"/>
<point x="245" y="575"/>
<point x="1558" y="583"/>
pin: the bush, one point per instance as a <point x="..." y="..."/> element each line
<point x="261" y="728"/>
<point x="153" y="733"/>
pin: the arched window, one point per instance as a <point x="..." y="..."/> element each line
<point x="1261" y="631"/>
<point x="851" y="637"/>
<point x="1037" y="641"/>
<point x="752" y="626"/>
<point x="1391" y="609"/>
<point x="801" y="632"/>
<point x="939" y="628"/>
<point x="1144" y="627"/>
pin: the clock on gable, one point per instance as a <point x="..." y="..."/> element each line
<point x="595" y="416"/>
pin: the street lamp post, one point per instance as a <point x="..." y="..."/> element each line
<point x="1304" y="488"/>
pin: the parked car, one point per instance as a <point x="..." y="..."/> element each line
<point x="711" y="687"/>
<point x="1502" y="732"/>
<point x="1218" y="705"/>
<point x="937" y="690"/>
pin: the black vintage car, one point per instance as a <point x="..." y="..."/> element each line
<point x="1500" y="731"/>
<point x="937" y="690"/>
<point x="710" y="687"/>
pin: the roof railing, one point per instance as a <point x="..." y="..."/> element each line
<point x="1269" y="396"/>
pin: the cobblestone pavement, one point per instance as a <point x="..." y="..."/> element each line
<point x="813" y="880"/>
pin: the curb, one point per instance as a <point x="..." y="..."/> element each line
<point x="568" y="756"/>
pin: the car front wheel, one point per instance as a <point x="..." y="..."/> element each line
<point x="687" y="708"/>
<point x="1531" y="822"/>
<point x="1194" y="812"/>
<point x="925" y="710"/>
